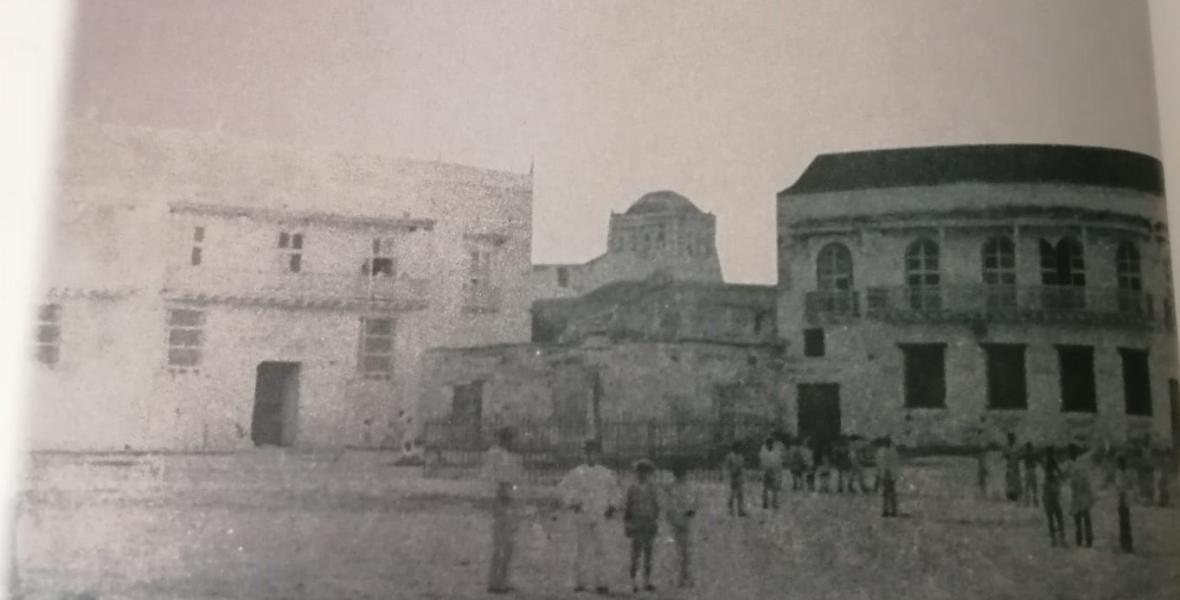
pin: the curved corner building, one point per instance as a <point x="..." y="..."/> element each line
<point x="941" y="293"/>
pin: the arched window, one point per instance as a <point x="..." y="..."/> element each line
<point x="1130" y="276"/>
<point x="999" y="273"/>
<point x="922" y="275"/>
<point x="833" y="275"/>
<point x="833" y="268"/>
<point x="1063" y="272"/>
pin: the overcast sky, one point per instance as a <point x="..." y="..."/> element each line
<point x="725" y="102"/>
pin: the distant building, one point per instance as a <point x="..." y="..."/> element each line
<point x="937" y="293"/>
<point x="207" y="294"/>
<point x="662" y="232"/>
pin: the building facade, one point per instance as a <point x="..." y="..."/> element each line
<point x="662" y="232"/>
<point x="196" y="300"/>
<point x="660" y="350"/>
<point x="940" y="293"/>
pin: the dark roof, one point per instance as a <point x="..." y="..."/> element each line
<point x="662" y="201"/>
<point x="994" y="163"/>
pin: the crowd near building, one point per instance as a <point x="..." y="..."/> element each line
<point x="204" y="293"/>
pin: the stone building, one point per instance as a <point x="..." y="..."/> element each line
<point x="943" y="291"/>
<point x="204" y="293"/>
<point x="660" y="349"/>
<point x="662" y="232"/>
<point x="648" y="331"/>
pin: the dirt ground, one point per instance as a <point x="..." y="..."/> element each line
<point x="273" y="525"/>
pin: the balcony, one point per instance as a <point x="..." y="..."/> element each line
<point x="1035" y="304"/>
<point x="832" y="306"/>
<point x="480" y="297"/>
<point x="301" y="290"/>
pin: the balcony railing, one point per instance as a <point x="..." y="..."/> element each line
<point x="832" y="305"/>
<point x="1008" y="303"/>
<point x="297" y="288"/>
<point x="480" y="297"/>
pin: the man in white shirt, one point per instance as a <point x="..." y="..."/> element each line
<point x="591" y="491"/>
<point x="505" y="472"/>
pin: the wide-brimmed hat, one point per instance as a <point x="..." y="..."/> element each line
<point x="644" y="466"/>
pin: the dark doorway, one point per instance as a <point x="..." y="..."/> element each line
<point x="467" y="413"/>
<point x="276" y="404"/>
<point x="819" y="411"/>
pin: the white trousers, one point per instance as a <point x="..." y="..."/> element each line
<point x="590" y="561"/>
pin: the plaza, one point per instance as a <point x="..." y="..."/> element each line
<point x="281" y="524"/>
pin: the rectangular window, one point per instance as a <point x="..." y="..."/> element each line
<point x="376" y="348"/>
<point x="1007" y="388"/>
<point x="563" y="277"/>
<point x="1136" y="382"/>
<point x="186" y="337"/>
<point x="381" y="263"/>
<point x="479" y="266"/>
<point x="291" y="251"/>
<point x="195" y="256"/>
<point x="49" y="334"/>
<point x="1076" y="369"/>
<point x="925" y="375"/>
<point x="813" y="342"/>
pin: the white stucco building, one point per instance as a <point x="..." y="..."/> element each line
<point x="203" y="293"/>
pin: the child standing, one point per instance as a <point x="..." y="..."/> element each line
<point x="1052" y="500"/>
<point x="641" y="515"/>
<point x="734" y="468"/>
<point x="797" y="466"/>
<point x="1124" y="486"/>
<point x="682" y="507"/>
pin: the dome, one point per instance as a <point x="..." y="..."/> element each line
<point x="665" y="201"/>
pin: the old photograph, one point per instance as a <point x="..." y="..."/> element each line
<point x="452" y="299"/>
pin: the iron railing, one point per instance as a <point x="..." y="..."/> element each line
<point x="1041" y="303"/>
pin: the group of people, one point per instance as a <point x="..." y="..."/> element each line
<point x="1033" y="477"/>
<point x="590" y="493"/>
<point x="838" y="466"/>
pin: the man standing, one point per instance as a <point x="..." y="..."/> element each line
<point x="505" y="472"/>
<point x="770" y="460"/>
<point x="1012" y="456"/>
<point x="887" y="463"/>
<point x="591" y="491"/>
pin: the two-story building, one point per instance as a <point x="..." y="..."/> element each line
<point x="942" y="292"/>
<point x="204" y="293"/>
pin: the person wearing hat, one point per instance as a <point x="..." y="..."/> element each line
<point x="591" y="492"/>
<point x="641" y="521"/>
<point x="504" y="470"/>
